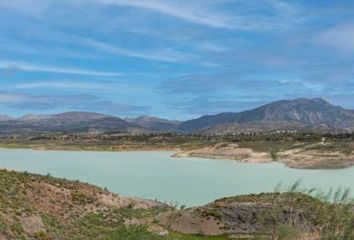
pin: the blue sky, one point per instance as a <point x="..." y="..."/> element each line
<point x="175" y="59"/>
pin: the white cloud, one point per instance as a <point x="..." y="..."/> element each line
<point x="340" y="37"/>
<point x="29" y="67"/>
<point x="32" y="7"/>
<point x="192" y="11"/>
<point x="212" y="47"/>
<point x="65" y="85"/>
<point x="301" y="83"/>
<point x="283" y="7"/>
<point x="9" y="45"/>
<point x="168" y="55"/>
<point x="25" y="101"/>
<point x="11" y="97"/>
<point x="188" y="11"/>
<point x="12" y="46"/>
<point x="211" y="13"/>
<point x="243" y="15"/>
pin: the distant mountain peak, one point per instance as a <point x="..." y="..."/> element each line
<point x="300" y="101"/>
<point x="33" y="117"/>
<point x="319" y="100"/>
<point x="80" y="115"/>
<point x="148" y="118"/>
<point x="4" y="117"/>
<point x="300" y="112"/>
<point x="154" y="124"/>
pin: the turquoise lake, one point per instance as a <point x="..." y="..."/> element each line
<point x="182" y="181"/>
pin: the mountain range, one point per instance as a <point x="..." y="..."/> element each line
<point x="299" y="114"/>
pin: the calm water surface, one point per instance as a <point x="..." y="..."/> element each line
<point x="156" y="175"/>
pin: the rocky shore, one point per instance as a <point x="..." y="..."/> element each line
<point x="226" y="151"/>
<point x="301" y="156"/>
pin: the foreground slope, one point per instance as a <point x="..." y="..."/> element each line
<point x="48" y="208"/>
<point x="42" y="207"/>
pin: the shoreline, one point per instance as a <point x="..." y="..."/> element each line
<point x="89" y="150"/>
<point x="339" y="166"/>
<point x="217" y="152"/>
<point x="10" y="169"/>
<point x="293" y="159"/>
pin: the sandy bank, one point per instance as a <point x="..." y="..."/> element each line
<point x="312" y="156"/>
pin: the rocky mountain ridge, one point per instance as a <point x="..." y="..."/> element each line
<point x="301" y="114"/>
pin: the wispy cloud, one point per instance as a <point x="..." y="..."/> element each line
<point x="30" y="102"/>
<point x="201" y="83"/>
<point x="182" y="10"/>
<point x="65" y="85"/>
<point x="264" y="14"/>
<point x="6" y="98"/>
<point x="340" y="37"/>
<point x="208" y="13"/>
<point x="224" y="49"/>
<point x="29" y="67"/>
<point x="15" y="47"/>
<point x="282" y="6"/>
<point x="211" y="104"/>
<point x="208" y="46"/>
<point x="11" y="46"/>
<point x="32" y="7"/>
<point x="118" y="87"/>
<point x="167" y="54"/>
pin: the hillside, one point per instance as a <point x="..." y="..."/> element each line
<point x="4" y="117"/>
<point x="153" y="124"/>
<point x="300" y="114"/>
<point x="69" y="122"/>
<point x="82" y="122"/>
<point x="44" y="208"/>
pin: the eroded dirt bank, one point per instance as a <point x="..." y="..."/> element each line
<point x="303" y="156"/>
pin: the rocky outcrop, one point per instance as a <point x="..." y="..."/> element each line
<point x="250" y="214"/>
<point x="32" y="224"/>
